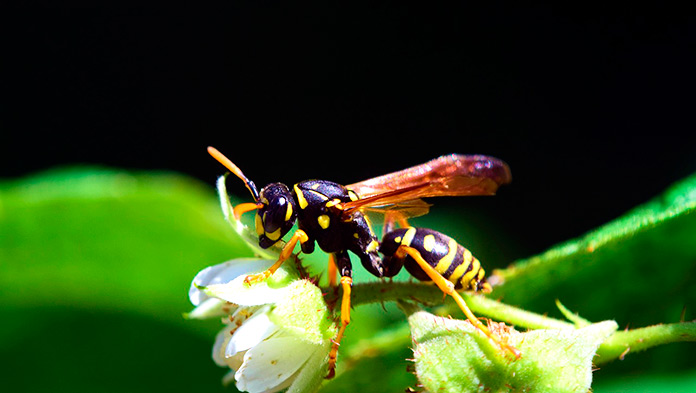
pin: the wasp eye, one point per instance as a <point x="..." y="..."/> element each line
<point x="274" y="215"/>
<point x="277" y="215"/>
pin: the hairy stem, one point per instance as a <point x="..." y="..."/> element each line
<point x="635" y="340"/>
<point x="376" y="292"/>
<point x="615" y="347"/>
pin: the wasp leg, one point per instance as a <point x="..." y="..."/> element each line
<point x="346" y="270"/>
<point x="285" y="253"/>
<point x="332" y="270"/>
<point x="448" y="288"/>
<point x="245" y="207"/>
<point x="346" y="283"/>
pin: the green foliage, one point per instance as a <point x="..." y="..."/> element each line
<point x="96" y="265"/>
<point x="452" y="356"/>
<point x="637" y="269"/>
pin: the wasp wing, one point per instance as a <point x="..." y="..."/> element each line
<point x="450" y="175"/>
<point x="460" y="170"/>
<point x="395" y="211"/>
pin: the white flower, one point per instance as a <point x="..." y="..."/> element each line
<point x="266" y="357"/>
<point x="276" y="333"/>
<point x="225" y="283"/>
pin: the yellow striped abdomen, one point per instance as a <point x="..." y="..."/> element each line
<point x="454" y="262"/>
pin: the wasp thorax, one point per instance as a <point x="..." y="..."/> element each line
<point x="277" y="215"/>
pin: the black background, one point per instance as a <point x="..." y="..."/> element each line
<point x="592" y="108"/>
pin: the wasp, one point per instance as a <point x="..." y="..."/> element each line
<point x="333" y="216"/>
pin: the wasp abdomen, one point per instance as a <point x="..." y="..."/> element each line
<point x="454" y="262"/>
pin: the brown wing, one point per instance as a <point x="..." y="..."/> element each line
<point x="450" y="175"/>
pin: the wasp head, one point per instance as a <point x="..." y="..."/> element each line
<point x="277" y="214"/>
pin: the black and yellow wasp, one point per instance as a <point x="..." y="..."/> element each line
<point x="332" y="216"/>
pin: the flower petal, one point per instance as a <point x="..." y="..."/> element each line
<point x="223" y="273"/>
<point x="310" y="376"/>
<point x="211" y="307"/>
<point x="221" y="341"/>
<point x="228" y="378"/>
<point x="270" y="290"/>
<point x="272" y="365"/>
<point x="252" y="332"/>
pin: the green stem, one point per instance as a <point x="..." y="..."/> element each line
<point x="513" y="315"/>
<point x="635" y="340"/>
<point x="376" y="292"/>
<point x="616" y="346"/>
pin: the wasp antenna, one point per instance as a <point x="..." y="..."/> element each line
<point x="215" y="153"/>
<point x="226" y="162"/>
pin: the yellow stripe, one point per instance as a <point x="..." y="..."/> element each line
<point x="486" y="287"/>
<point x="373" y="246"/>
<point x="368" y="222"/>
<point x="288" y="212"/>
<point x="333" y="202"/>
<point x="446" y="261"/>
<point x="408" y="236"/>
<point x="300" y="197"/>
<point x="481" y="274"/>
<point x="259" y="225"/>
<point x="275" y="235"/>
<point x="475" y="267"/>
<point x="322" y="196"/>
<point x="461" y="269"/>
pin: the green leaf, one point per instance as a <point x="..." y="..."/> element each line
<point x="96" y="265"/>
<point x="453" y="356"/>
<point x="107" y="238"/>
<point x="250" y="238"/>
<point x="637" y="270"/>
<point x="672" y="382"/>
<point x="634" y="269"/>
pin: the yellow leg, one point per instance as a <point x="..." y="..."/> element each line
<point x="448" y="288"/>
<point x="245" y="207"/>
<point x="346" y="283"/>
<point x="332" y="271"/>
<point x="285" y="253"/>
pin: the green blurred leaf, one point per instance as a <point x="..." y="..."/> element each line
<point x="637" y="269"/>
<point x="649" y="383"/>
<point x="108" y="239"/>
<point x="96" y="266"/>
